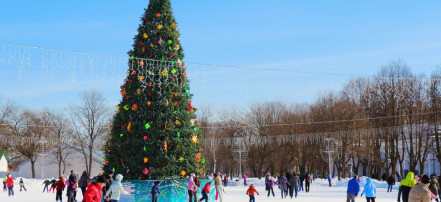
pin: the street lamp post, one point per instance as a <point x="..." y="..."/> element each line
<point x="329" y="151"/>
<point x="42" y="141"/>
<point x="239" y="141"/>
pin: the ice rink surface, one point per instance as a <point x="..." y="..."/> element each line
<point x="319" y="191"/>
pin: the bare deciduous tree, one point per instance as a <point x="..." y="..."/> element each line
<point x="90" y="121"/>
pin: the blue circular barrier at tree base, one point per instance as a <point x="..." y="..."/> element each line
<point x="171" y="190"/>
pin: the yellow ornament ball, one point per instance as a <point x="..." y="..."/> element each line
<point x="183" y="172"/>
<point x="146" y="35"/>
<point x="159" y="26"/>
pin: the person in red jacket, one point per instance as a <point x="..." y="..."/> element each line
<point x="251" y="191"/>
<point x="205" y="191"/>
<point x="94" y="190"/>
<point x="59" y="187"/>
<point x="10" y="184"/>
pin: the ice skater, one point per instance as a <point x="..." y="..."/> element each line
<point x="155" y="191"/>
<point x="250" y="193"/>
<point x="329" y="180"/>
<point x="46" y="184"/>
<point x="59" y="186"/>
<point x="370" y="190"/>
<point x="22" y="185"/>
<point x="205" y="192"/>
<point x="53" y="185"/>
<point x="353" y="189"/>
<point x="10" y="184"/>
<point x="270" y="186"/>
<point x="116" y="189"/>
<point x="283" y="185"/>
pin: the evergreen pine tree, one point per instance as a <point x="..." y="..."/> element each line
<point x="154" y="133"/>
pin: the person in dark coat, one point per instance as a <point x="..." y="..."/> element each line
<point x="390" y="183"/>
<point x="155" y="191"/>
<point x="301" y="182"/>
<point x="22" y="185"/>
<point x="294" y="183"/>
<point x="225" y="179"/>
<point x="267" y="177"/>
<point x="109" y="180"/>
<point x="288" y="177"/>
<point x="53" y="185"/>
<point x="307" y="182"/>
<point x="46" y="184"/>
<point x="70" y="193"/>
<point x="84" y="181"/>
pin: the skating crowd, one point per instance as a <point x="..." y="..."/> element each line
<point x="104" y="188"/>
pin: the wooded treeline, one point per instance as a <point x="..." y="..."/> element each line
<point x="381" y="124"/>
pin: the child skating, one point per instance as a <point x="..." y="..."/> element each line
<point x="250" y="193"/>
<point x="205" y="192"/>
<point x="155" y="191"/>
<point x="22" y="185"/>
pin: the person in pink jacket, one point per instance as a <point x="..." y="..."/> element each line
<point x="191" y="188"/>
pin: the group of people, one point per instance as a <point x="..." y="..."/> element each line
<point x="193" y="186"/>
<point x="93" y="190"/>
<point x="291" y="183"/>
<point x="423" y="189"/>
<point x="8" y="184"/>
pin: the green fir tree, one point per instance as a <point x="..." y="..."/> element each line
<point x="154" y="132"/>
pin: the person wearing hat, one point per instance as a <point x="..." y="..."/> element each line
<point x="22" y="185"/>
<point x="250" y="193"/>
<point x="94" y="190"/>
<point x="10" y="184"/>
<point x="421" y="192"/>
<point x="155" y="191"/>
<point x="116" y="189"/>
<point x="109" y="180"/>
<point x="205" y="191"/>
<point x="59" y="187"/>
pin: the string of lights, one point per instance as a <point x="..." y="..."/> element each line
<point x="10" y="52"/>
<point x="274" y="125"/>
<point x="247" y="138"/>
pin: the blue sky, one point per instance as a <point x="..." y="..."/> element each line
<point x="337" y="37"/>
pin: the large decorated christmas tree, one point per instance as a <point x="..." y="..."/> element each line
<point x="155" y="134"/>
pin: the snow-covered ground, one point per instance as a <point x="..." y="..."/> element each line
<point x="319" y="190"/>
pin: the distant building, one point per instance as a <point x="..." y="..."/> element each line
<point x="46" y="167"/>
<point x="4" y="162"/>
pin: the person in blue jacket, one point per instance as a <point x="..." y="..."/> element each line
<point x="370" y="190"/>
<point x="155" y="191"/>
<point x="329" y="180"/>
<point x="353" y="189"/>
